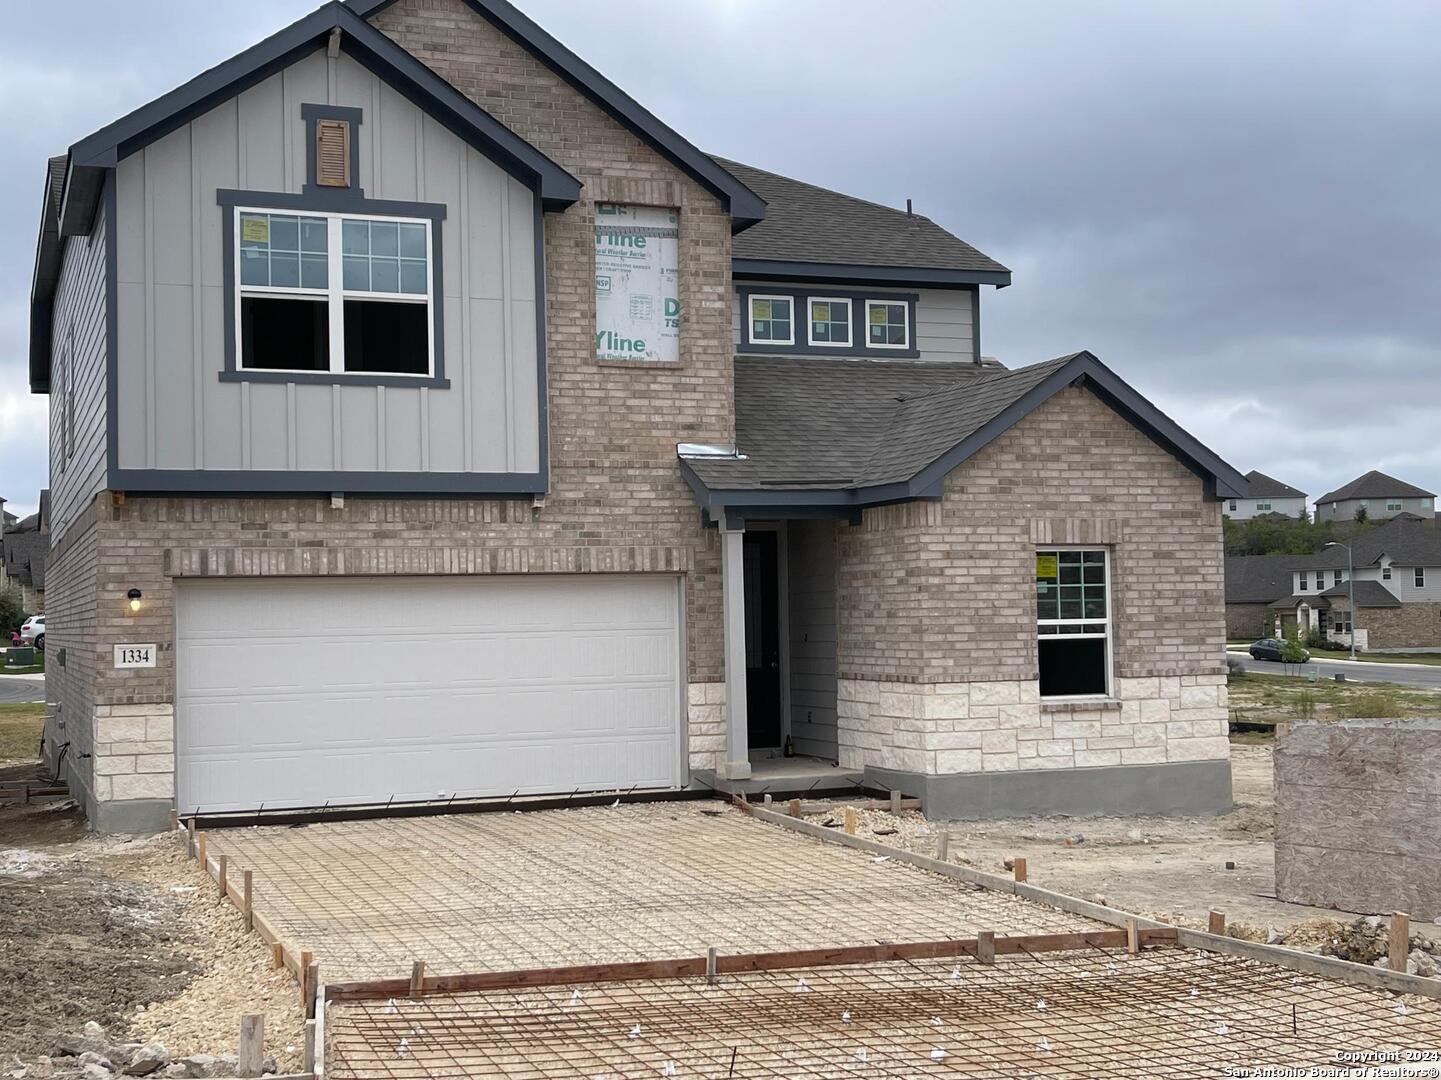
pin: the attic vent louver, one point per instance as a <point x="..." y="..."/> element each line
<point x="332" y="153"/>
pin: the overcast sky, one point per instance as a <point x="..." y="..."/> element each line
<point x="1236" y="206"/>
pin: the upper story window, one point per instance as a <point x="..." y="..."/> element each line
<point x="888" y="325"/>
<point x="772" y="320"/>
<point x="1231" y="506"/>
<point x="823" y="321"/>
<point x="1305" y="582"/>
<point x="1420" y="577"/>
<point x="637" y="283"/>
<point x="830" y="321"/>
<point x="336" y="293"/>
<point x="1385" y="573"/>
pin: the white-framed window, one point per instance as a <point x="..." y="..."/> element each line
<point x="1263" y="507"/>
<point x="333" y="292"/>
<point x="1385" y="573"/>
<point x="1420" y="577"/>
<point x="829" y="321"/>
<point x="888" y="324"/>
<point x="1073" y="621"/>
<point x="1232" y="506"/>
<point x="1304" y="582"/>
<point x="772" y="320"/>
<point x="1393" y="505"/>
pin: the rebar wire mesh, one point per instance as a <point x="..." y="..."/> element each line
<point x="550" y="888"/>
<point x="1164" y="1013"/>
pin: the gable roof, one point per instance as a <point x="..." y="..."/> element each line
<point x="1375" y="485"/>
<point x="1263" y="486"/>
<point x="1258" y="579"/>
<point x="1368" y="593"/>
<point x="851" y="433"/>
<point x="1406" y="541"/>
<point x="745" y="206"/>
<point x="814" y="233"/>
<point x="90" y="159"/>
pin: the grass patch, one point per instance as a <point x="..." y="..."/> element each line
<point x="1272" y="698"/>
<point x="37" y="669"/>
<point x="20" y="727"/>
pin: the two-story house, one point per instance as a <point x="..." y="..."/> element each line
<point x="1396" y="588"/>
<point x="430" y="421"/>
<point x="1376" y="497"/>
<point x="1266" y="495"/>
<point x="24" y="549"/>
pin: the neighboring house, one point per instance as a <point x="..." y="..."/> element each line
<point x="1253" y="584"/>
<point x="1398" y="589"/>
<point x="1266" y="495"/>
<point x="1381" y="496"/>
<point x="401" y="451"/>
<point x="24" y="548"/>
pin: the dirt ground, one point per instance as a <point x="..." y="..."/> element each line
<point x="1173" y="869"/>
<point x="125" y="932"/>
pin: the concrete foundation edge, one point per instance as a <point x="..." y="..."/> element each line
<point x="1177" y="788"/>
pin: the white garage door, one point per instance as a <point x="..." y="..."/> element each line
<point x="300" y="693"/>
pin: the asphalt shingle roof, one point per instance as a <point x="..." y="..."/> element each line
<point x="1258" y="579"/>
<point x="821" y="424"/>
<point x="805" y="223"/>
<point x="1375" y="485"/>
<point x="1263" y="486"/>
<point x="1408" y="541"/>
<point x="1368" y="593"/>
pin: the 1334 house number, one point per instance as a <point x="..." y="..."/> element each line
<point x="134" y="656"/>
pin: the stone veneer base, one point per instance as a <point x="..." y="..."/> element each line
<point x="1178" y="788"/>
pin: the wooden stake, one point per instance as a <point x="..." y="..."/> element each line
<point x="943" y="847"/>
<point x="986" y="946"/>
<point x="417" y="979"/>
<point x="309" y="1059"/>
<point x="766" y="799"/>
<point x="1020" y="868"/>
<point x="896" y="802"/>
<point x="174" y="820"/>
<point x="1216" y="923"/>
<point x="1399" y="941"/>
<point x="1133" y="936"/>
<point x="277" y="955"/>
<point x="190" y="838"/>
<point x="251" y="1059"/>
<point x="710" y="975"/>
<point x="304" y="975"/>
<point x="224" y="872"/>
<point x="247" y="895"/>
<point x="312" y="988"/>
<point x="795" y="808"/>
<point x="200" y="851"/>
<point x="850" y="821"/>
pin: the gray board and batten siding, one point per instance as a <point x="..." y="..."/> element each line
<point x="813" y="625"/>
<point x="182" y="426"/>
<point x="77" y="382"/>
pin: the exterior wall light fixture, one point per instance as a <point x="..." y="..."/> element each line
<point x="134" y="597"/>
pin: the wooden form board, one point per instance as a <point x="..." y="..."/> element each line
<point x="702" y="966"/>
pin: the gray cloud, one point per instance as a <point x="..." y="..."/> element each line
<point x="1234" y="205"/>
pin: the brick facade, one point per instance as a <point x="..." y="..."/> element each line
<point x="1410" y="626"/>
<point x="1249" y="621"/>
<point x="940" y="597"/>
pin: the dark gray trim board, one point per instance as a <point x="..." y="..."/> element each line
<point x="310" y="113"/>
<point x="283" y="482"/>
<point x="916" y="277"/>
<point x="745" y="206"/>
<point x="1175" y="788"/>
<point x="49" y="258"/>
<point x="332" y="201"/>
<point x="800" y="322"/>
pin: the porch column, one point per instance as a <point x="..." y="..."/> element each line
<point x="735" y="763"/>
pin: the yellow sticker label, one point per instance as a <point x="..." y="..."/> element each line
<point x="1046" y="567"/>
<point x="761" y="308"/>
<point x="878" y="315"/>
<point x="255" y="230"/>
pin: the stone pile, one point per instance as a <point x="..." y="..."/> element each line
<point x="93" y="1055"/>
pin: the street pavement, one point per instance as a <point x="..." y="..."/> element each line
<point x="1418" y="675"/>
<point x="18" y="688"/>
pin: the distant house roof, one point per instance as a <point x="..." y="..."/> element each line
<point x="24" y="551"/>
<point x="1258" y="579"/>
<point x="1375" y="485"/>
<point x="1368" y="594"/>
<point x="1406" y="541"/>
<point x="852" y="433"/>
<point x="1315" y="600"/>
<point x="1263" y="486"/>
<point x="813" y="232"/>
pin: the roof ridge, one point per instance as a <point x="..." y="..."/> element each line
<point x="989" y="377"/>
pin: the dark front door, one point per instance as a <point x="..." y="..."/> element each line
<point x="763" y="640"/>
